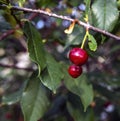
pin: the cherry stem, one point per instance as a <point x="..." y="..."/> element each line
<point x="84" y="39"/>
<point x="86" y="34"/>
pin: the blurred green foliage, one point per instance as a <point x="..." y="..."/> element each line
<point x="34" y="82"/>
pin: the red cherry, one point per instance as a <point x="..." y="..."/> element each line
<point x="78" y="56"/>
<point x="107" y="104"/>
<point x="75" y="71"/>
<point x="8" y="116"/>
<point x="20" y="119"/>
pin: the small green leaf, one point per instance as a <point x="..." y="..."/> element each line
<point x="21" y="2"/>
<point x="53" y="76"/>
<point x="102" y="39"/>
<point x="92" y="43"/>
<point x="35" y="45"/>
<point x="34" y="101"/>
<point x="80" y="87"/>
<point x="105" y="13"/>
<point x="4" y="1"/>
<point x="9" y="17"/>
<point x="118" y="4"/>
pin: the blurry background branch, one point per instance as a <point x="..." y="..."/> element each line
<point x="15" y="67"/>
<point x="38" y="11"/>
<point x="9" y="32"/>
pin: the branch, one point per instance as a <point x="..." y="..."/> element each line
<point x="5" y="34"/>
<point x="9" y="32"/>
<point x="15" y="67"/>
<point x="85" y="25"/>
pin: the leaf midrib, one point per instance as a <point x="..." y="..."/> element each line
<point x="36" y="57"/>
<point x="35" y="99"/>
<point x="104" y="18"/>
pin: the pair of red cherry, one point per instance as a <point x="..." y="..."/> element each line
<point x="78" y="57"/>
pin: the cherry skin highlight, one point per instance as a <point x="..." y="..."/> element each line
<point x="75" y="71"/>
<point x="78" y="56"/>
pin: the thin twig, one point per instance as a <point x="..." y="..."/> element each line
<point x="85" y="25"/>
<point x="10" y="32"/>
<point x="15" y="67"/>
<point x="5" y="34"/>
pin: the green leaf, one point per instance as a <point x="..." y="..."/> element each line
<point x="80" y="87"/>
<point x="34" y="101"/>
<point x="35" y="45"/>
<point x="61" y="118"/>
<point x="78" y="115"/>
<point x="74" y="3"/>
<point x="118" y="4"/>
<point x="14" y="97"/>
<point x="53" y="76"/>
<point x="88" y="11"/>
<point x="76" y="37"/>
<point x="92" y="43"/>
<point x="102" y="39"/>
<point x="87" y="2"/>
<point x="75" y="113"/>
<point x="4" y="1"/>
<point x="9" y="17"/>
<point x="106" y="13"/>
<point x="21" y="2"/>
<point x="45" y="3"/>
